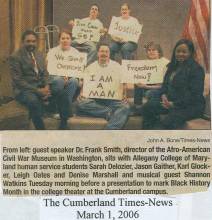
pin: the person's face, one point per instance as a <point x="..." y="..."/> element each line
<point x="182" y="53"/>
<point x="104" y="54"/>
<point x="125" y="11"/>
<point x="65" y="41"/>
<point x="30" y="42"/>
<point x="94" y="12"/>
<point x="152" y="53"/>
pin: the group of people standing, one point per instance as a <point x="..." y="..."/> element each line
<point x="179" y="97"/>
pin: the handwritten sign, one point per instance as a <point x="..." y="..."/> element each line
<point x="85" y="31"/>
<point x="144" y="71"/>
<point x="66" y="64"/>
<point x="125" y="30"/>
<point x="102" y="85"/>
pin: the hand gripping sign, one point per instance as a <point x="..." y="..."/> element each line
<point x="144" y="71"/>
<point x="84" y="31"/>
<point x="128" y="31"/>
<point x="102" y="84"/>
<point x="66" y="64"/>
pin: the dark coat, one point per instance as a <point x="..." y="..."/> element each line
<point x="187" y="86"/>
<point x="23" y="74"/>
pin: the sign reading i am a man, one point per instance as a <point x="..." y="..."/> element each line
<point x="102" y="85"/>
<point x="85" y="31"/>
<point x="144" y="71"/>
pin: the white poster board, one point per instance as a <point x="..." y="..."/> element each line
<point x="144" y="71"/>
<point x="66" y="64"/>
<point x="126" y="31"/>
<point x="84" y="31"/>
<point x="102" y="84"/>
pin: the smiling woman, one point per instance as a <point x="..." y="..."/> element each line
<point x="182" y="53"/>
<point x="65" y="40"/>
<point x="63" y="84"/>
<point x="126" y="24"/>
<point x="181" y="93"/>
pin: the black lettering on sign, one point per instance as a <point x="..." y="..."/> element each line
<point x="92" y="26"/>
<point x="92" y="78"/>
<point x="102" y="94"/>
<point x="106" y="79"/>
<point x="93" y="93"/>
<point x="126" y="29"/>
<point x="116" y="25"/>
<point x="100" y="85"/>
<point x="111" y="93"/>
<point x="137" y="76"/>
<point x="148" y="77"/>
<point x="59" y="57"/>
<point x="141" y="68"/>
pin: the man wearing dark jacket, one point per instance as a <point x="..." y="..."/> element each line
<point x="30" y="82"/>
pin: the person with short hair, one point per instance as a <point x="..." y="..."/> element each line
<point x="89" y="46"/>
<point x="120" y="45"/>
<point x="30" y="81"/>
<point x="116" y="112"/>
<point x="153" y="52"/>
<point x="58" y="83"/>
<point x="181" y="93"/>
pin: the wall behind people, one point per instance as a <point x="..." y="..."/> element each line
<point x="162" y="20"/>
<point x="5" y="29"/>
<point x="17" y="16"/>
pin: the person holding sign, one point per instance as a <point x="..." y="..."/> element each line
<point x="181" y="93"/>
<point x="63" y="82"/>
<point x="104" y="91"/>
<point x="87" y="33"/>
<point x="153" y="52"/>
<point x="30" y="81"/>
<point x="125" y="31"/>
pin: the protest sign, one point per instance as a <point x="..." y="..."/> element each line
<point x="61" y="63"/>
<point x="84" y="31"/>
<point x="125" y="30"/>
<point x="102" y="85"/>
<point x="144" y="71"/>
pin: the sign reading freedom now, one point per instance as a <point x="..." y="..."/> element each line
<point x="102" y="85"/>
<point x="85" y="31"/>
<point x="127" y="32"/>
<point x="67" y="64"/>
<point x="144" y="71"/>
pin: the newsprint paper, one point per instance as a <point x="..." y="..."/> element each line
<point x="97" y="168"/>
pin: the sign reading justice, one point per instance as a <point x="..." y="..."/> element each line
<point x="85" y="31"/>
<point x="66" y="64"/>
<point x="102" y="85"/>
<point x="144" y="71"/>
<point x="126" y="31"/>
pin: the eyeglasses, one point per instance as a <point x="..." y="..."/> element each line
<point x="95" y="9"/>
<point x="151" y="49"/>
<point x="30" y="41"/>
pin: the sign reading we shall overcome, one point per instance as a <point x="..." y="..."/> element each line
<point x="84" y="31"/>
<point x="144" y="71"/>
<point x="127" y="31"/>
<point x="66" y="63"/>
<point x="103" y="83"/>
